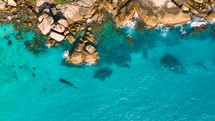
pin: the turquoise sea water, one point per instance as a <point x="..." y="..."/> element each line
<point x="139" y="86"/>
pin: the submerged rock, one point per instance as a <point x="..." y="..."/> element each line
<point x="103" y="73"/>
<point x="66" y="82"/>
<point x="172" y="63"/>
<point x="200" y="65"/>
<point x="123" y="61"/>
<point x="9" y="42"/>
<point x="145" y="53"/>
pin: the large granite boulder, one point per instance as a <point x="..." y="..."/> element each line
<point x="125" y="13"/>
<point x="90" y="49"/>
<point x="2" y="5"/>
<point x="63" y="22"/>
<point x="57" y="36"/>
<point x="90" y="59"/>
<point x="210" y="15"/>
<point x="75" y="58"/>
<point x="58" y="28"/>
<point x="45" y="23"/>
<point x="91" y="55"/>
<point x="113" y="6"/>
<point x="154" y="12"/>
<point x="78" y="10"/>
<point x="11" y="3"/>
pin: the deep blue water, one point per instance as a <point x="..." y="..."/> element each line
<point x="162" y="76"/>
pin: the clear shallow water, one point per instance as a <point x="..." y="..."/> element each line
<point x="139" y="88"/>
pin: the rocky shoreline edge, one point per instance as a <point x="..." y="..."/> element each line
<point x="73" y="22"/>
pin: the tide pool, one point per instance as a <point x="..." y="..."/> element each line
<point x="139" y="88"/>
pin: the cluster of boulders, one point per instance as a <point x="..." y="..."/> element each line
<point x="18" y="12"/>
<point x="84" y="51"/>
<point x="201" y="8"/>
<point x="77" y="15"/>
<point x="160" y="12"/>
<point x="52" y="23"/>
<point x="154" y="12"/>
<point x="61" y="25"/>
<point x="5" y="8"/>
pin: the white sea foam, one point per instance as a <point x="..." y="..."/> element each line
<point x="9" y="18"/>
<point x="164" y="30"/>
<point x="89" y="20"/>
<point x="212" y="21"/>
<point x="48" y="45"/>
<point x="90" y="64"/>
<point x="129" y="24"/>
<point x="182" y="30"/>
<point x="198" y="24"/>
<point x="65" y="54"/>
<point x="136" y="16"/>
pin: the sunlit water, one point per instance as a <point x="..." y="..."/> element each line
<point x="140" y="87"/>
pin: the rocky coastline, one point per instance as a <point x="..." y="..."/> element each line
<point x="73" y="21"/>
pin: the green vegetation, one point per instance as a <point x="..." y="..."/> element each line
<point x="33" y="2"/>
<point x="62" y="1"/>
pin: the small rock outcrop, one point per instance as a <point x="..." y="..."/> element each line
<point x="84" y="52"/>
